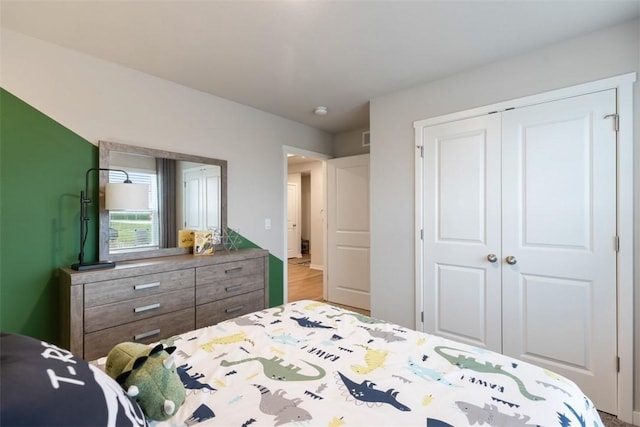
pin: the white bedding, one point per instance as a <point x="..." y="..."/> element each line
<point x="311" y="364"/>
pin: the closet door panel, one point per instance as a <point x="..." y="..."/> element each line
<point x="462" y="227"/>
<point x="465" y="289"/>
<point x="543" y="338"/>
<point x="559" y="224"/>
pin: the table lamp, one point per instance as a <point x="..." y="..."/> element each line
<point x="125" y="196"/>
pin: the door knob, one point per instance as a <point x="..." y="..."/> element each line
<point x="511" y="260"/>
<point x="492" y="258"/>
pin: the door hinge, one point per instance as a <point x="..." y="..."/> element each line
<point x="616" y="121"/>
<point x="617" y="243"/>
<point x="422" y="234"/>
<point x="422" y="316"/>
<point x="421" y="147"/>
<point x="618" y="364"/>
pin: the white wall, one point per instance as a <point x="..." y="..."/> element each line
<point x="606" y="53"/>
<point x="636" y="239"/>
<point x="349" y="144"/>
<point x="100" y="100"/>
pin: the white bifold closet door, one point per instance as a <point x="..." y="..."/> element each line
<point x="519" y="237"/>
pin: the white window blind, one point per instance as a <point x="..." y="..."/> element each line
<point x="135" y="230"/>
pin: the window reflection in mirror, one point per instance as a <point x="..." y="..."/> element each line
<point x="182" y="195"/>
<point x="130" y="230"/>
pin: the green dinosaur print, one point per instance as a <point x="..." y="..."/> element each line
<point x="274" y="369"/>
<point x="278" y="311"/>
<point x="471" y="363"/>
<point x="362" y="318"/>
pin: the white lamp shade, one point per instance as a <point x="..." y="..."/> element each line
<point x="126" y="197"/>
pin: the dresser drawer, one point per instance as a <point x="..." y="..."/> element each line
<point x="217" y="311"/>
<point x="100" y="293"/>
<point x="98" y="344"/>
<point x="229" y="270"/>
<point x="228" y="288"/>
<point x="108" y="315"/>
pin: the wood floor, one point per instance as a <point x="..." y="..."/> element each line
<point x="306" y="283"/>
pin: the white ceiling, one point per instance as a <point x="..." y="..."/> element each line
<point x="287" y="57"/>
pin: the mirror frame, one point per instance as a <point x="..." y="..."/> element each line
<point x="105" y="148"/>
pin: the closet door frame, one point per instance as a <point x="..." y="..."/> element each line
<point x="625" y="199"/>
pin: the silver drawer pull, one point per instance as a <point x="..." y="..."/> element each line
<point x="233" y="288"/>
<point x="146" y="308"/>
<point x="146" y="286"/>
<point x="146" y="334"/>
<point x="232" y="270"/>
<point x="234" y="309"/>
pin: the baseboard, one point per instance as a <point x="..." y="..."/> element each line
<point x="316" y="267"/>
<point x="636" y="418"/>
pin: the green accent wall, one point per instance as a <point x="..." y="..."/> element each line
<point x="42" y="170"/>
<point x="276" y="278"/>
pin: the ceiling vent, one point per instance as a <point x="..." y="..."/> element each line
<point x="366" y="138"/>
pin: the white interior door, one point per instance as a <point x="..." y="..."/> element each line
<point x="348" y="231"/>
<point x="201" y="198"/>
<point x="294" y="249"/>
<point x="462" y="231"/>
<point x="211" y="194"/>
<point x="559" y="224"/>
<point x="192" y="201"/>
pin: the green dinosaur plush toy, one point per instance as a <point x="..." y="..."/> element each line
<point x="149" y="375"/>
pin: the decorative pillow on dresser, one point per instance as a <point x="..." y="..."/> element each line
<point x="43" y="385"/>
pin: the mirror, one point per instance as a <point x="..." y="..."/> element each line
<point x="186" y="192"/>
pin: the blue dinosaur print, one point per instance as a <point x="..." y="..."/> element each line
<point x="426" y="373"/>
<point x="579" y="417"/>
<point x="306" y="323"/>
<point x="432" y="422"/>
<point x="191" y="381"/>
<point x="286" y="339"/>
<point x="563" y="420"/>
<point x="365" y="392"/>
<point x="201" y="414"/>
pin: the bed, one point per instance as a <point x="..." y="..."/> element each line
<point x="307" y="363"/>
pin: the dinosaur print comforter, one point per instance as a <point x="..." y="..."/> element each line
<point x="311" y="364"/>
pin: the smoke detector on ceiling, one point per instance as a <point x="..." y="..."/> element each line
<point x="321" y="111"/>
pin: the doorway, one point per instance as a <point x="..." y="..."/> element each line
<point x="305" y="231"/>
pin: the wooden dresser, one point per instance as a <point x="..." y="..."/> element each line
<point x="155" y="298"/>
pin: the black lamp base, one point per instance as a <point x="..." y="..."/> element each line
<point x="93" y="266"/>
